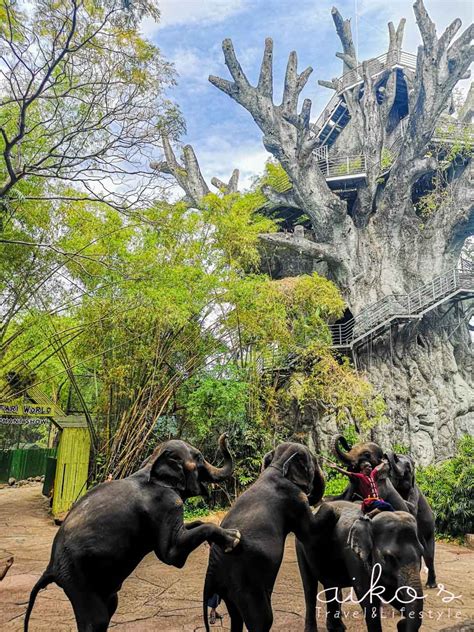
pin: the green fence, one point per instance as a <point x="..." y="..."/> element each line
<point x="22" y="464"/>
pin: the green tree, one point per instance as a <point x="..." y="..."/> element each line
<point x="83" y="101"/>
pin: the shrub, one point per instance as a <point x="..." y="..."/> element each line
<point x="449" y="486"/>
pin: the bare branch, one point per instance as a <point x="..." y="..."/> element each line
<point x="231" y="186"/>
<point x="287" y="133"/>
<point x="303" y="245"/>
<point x="344" y="31"/>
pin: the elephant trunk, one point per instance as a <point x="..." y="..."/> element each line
<point x="341" y="448"/>
<point x="411" y="593"/>
<point x="218" y="474"/>
<point x="394" y="465"/>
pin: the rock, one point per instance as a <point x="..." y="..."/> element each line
<point x="11" y="481"/>
<point x="30" y="479"/>
<point x="38" y="479"/>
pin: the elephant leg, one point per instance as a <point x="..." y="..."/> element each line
<point x="90" y="609"/>
<point x="188" y="539"/>
<point x="236" y="621"/>
<point x="334" y="621"/>
<point x="112" y="604"/>
<point x="428" y="555"/>
<point x="310" y="587"/>
<point x="371" y="610"/>
<point x="257" y="612"/>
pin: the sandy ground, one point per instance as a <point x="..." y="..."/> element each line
<point x="161" y="598"/>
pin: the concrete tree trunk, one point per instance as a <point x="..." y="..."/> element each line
<point x="378" y="243"/>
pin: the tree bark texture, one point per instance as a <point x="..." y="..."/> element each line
<point x="376" y="242"/>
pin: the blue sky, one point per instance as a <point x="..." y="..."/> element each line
<point x="190" y="34"/>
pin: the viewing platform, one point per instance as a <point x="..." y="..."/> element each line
<point x="335" y="115"/>
<point x="339" y="168"/>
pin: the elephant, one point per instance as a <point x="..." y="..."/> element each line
<point x="400" y="490"/>
<point x="276" y="504"/>
<point x="113" y="526"/>
<point x="353" y="456"/>
<point x="383" y="552"/>
<point x="402" y="475"/>
<point x="374" y="454"/>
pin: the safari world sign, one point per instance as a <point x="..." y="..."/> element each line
<point x="16" y="414"/>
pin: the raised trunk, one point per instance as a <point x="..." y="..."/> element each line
<point x="219" y="474"/>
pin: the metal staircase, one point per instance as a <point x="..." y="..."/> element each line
<point x="335" y="115"/>
<point x="375" y="319"/>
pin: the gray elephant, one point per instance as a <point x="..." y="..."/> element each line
<point x="276" y="504"/>
<point x="352" y="458"/>
<point x="383" y="551"/>
<point x="402" y="475"/>
<point x="111" y="529"/>
<point x="400" y="490"/>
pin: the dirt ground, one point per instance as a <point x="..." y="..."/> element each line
<point x="161" y="598"/>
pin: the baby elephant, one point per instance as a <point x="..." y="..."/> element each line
<point x="379" y="557"/>
<point x="111" y="529"/>
<point x="275" y="504"/>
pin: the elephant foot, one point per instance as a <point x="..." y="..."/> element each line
<point x="431" y="583"/>
<point x="335" y="627"/>
<point x="234" y="536"/>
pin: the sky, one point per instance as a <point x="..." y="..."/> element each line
<point x="190" y="33"/>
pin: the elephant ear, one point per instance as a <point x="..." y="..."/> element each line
<point x="319" y="483"/>
<point x="267" y="459"/>
<point x="360" y="540"/>
<point x="168" y="469"/>
<point x="297" y="469"/>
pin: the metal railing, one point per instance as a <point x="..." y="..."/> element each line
<point x="343" y="166"/>
<point x="411" y="305"/>
<point x="376" y="66"/>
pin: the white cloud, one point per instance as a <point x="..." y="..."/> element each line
<point x="218" y="157"/>
<point x="194" y="66"/>
<point x="175" y="12"/>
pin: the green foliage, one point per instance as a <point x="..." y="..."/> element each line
<point x="429" y="203"/>
<point x="400" y="448"/>
<point x="448" y="487"/>
<point x="350" y="165"/>
<point x="336" y="483"/>
<point x="386" y="159"/>
<point x="211" y="401"/>
<point x="332" y="385"/>
<point x="455" y="139"/>
<point x="83" y="104"/>
<point x="276" y="177"/>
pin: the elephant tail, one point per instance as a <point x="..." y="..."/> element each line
<point x="46" y="578"/>
<point x="208" y="593"/>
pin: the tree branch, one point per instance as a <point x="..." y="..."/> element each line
<point x="293" y="241"/>
<point x="189" y="176"/>
<point x="344" y="31"/>
<point x="287" y="133"/>
<point x="441" y="63"/>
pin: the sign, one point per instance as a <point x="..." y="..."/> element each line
<point x="18" y="421"/>
<point x="25" y="410"/>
